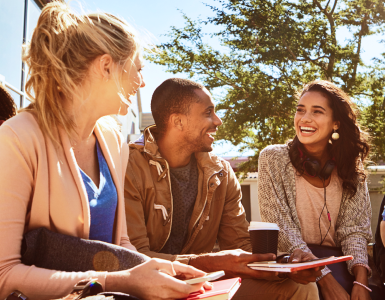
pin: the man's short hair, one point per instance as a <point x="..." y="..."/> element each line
<point x="7" y="105"/>
<point x="173" y="96"/>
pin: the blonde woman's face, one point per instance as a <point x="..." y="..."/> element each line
<point x="132" y="78"/>
<point x="115" y="85"/>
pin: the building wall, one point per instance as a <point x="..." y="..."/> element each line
<point x="130" y="122"/>
<point x="252" y="186"/>
<point x="374" y="184"/>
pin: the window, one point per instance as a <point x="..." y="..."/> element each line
<point x="18" y="18"/>
<point x="11" y="33"/>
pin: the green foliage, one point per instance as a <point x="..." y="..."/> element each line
<point x="268" y="50"/>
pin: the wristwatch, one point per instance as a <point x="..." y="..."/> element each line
<point x="16" y="296"/>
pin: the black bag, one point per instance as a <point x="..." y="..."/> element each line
<point x="49" y="250"/>
<point x="85" y="289"/>
<point x="339" y="270"/>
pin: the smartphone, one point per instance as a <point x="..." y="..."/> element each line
<point x="209" y="277"/>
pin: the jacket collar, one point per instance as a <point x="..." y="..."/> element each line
<point x="207" y="161"/>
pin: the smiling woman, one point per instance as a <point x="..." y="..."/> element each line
<point x="315" y="187"/>
<point x="322" y="110"/>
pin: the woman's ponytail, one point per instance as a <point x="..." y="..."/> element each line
<point x="61" y="50"/>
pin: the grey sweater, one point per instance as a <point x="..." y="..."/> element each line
<point x="277" y="194"/>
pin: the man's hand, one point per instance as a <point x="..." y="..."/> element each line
<point x="304" y="276"/>
<point x="234" y="263"/>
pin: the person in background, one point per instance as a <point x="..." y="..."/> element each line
<point x="181" y="198"/>
<point x="382" y="227"/>
<point x="7" y="105"/>
<point x="379" y="245"/>
<point x="315" y="187"/>
<point x="63" y="161"/>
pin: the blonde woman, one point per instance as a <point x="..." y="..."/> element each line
<point x="82" y="69"/>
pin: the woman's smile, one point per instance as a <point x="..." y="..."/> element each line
<point x="307" y="130"/>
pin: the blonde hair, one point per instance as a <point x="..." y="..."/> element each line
<point x="62" y="48"/>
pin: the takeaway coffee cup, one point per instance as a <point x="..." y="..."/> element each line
<point x="264" y="237"/>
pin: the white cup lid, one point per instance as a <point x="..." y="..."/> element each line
<point x="263" y="226"/>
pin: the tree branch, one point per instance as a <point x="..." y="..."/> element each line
<point x="288" y="49"/>
<point x="327" y="4"/>
<point x="334" y="6"/>
<point x="329" y="16"/>
<point x="319" y="5"/>
<point x="224" y="81"/>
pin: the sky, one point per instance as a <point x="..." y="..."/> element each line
<point x="154" y="18"/>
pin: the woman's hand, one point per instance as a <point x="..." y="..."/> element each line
<point x="155" y="280"/>
<point x="359" y="292"/>
<point x="331" y="289"/>
<point x="304" y="276"/>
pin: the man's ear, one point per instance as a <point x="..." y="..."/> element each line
<point x="176" y="122"/>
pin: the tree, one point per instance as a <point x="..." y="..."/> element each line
<point x="269" y="49"/>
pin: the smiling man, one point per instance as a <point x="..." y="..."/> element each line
<point x="181" y="198"/>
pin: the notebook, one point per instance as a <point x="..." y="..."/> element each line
<point x="292" y="267"/>
<point x="222" y="290"/>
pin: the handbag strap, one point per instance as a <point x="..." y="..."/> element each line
<point x="16" y="296"/>
<point x="85" y="288"/>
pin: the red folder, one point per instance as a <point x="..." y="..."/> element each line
<point x="222" y="290"/>
<point x="292" y="267"/>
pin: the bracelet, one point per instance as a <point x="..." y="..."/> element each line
<point x="363" y="285"/>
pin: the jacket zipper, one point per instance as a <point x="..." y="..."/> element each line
<point x="172" y="204"/>
<point x="204" y="206"/>
<point x="189" y="241"/>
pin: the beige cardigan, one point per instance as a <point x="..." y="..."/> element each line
<point x="41" y="186"/>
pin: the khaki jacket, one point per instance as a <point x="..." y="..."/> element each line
<point x="218" y="212"/>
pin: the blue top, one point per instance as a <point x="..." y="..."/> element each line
<point x="102" y="200"/>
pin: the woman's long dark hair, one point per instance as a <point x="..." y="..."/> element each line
<point x="351" y="149"/>
<point x="7" y="106"/>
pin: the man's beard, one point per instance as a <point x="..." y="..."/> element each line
<point x="196" y="144"/>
